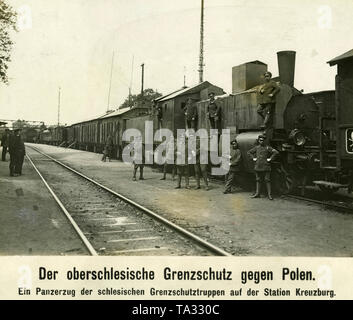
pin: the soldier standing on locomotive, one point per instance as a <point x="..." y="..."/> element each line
<point x="266" y="108"/>
<point x="262" y="155"/>
<point x="190" y="112"/>
<point x="213" y="111"/>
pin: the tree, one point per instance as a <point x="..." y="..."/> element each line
<point x="8" y="19"/>
<point x="146" y="99"/>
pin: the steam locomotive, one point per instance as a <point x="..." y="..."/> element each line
<point x="313" y="132"/>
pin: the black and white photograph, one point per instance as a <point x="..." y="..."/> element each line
<point x="168" y="129"/>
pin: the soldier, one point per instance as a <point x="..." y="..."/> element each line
<point x="190" y="112"/>
<point x="17" y="152"/>
<point x="5" y="143"/>
<point x="139" y="165"/>
<point x="169" y="161"/>
<point x="234" y="166"/>
<point x="213" y="111"/>
<point x="159" y="110"/>
<point x="200" y="168"/>
<point x="108" y="149"/>
<point x="268" y="91"/>
<point x="182" y="168"/>
<point x="262" y="156"/>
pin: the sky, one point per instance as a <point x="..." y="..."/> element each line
<point x="70" y="44"/>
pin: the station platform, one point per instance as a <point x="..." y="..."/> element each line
<point x="31" y="223"/>
<point x="235" y="222"/>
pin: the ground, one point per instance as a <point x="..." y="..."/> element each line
<point x="240" y="225"/>
<point x="31" y="222"/>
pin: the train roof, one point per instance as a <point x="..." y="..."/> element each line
<point x="196" y="88"/>
<point x="343" y="57"/>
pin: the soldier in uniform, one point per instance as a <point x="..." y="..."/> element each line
<point x="262" y="155"/>
<point x="169" y="161"/>
<point x="5" y="143"/>
<point x="159" y="111"/>
<point x="213" y="111"/>
<point x="182" y="168"/>
<point x="190" y="112"/>
<point x="139" y="165"/>
<point x="108" y="149"/>
<point x="234" y="166"/>
<point x="200" y="168"/>
<point x="268" y="91"/>
<point x="17" y="152"/>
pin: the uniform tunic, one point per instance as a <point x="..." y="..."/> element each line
<point x="262" y="153"/>
<point x="214" y="109"/>
<point x="190" y="111"/>
<point x="235" y="160"/>
<point x="266" y="89"/>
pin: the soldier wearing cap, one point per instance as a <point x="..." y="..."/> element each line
<point x="262" y="155"/>
<point x="183" y="165"/>
<point x="200" y="168"/>
<point x="213" y="111"/>
<point x="138" y="148"/>
<point x="268" y="92"/>
<point x="235" y="161"/>
<point x="190" y="112"/>
<point x="169" y="161"/>
<point x="17" y="152"/>
<point x="5" y="143"/>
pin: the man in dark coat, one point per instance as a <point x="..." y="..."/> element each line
<point x="183" y="167"/>
<point x="234" y="166"/>
<point x="190" y="112"/>
<point x="213" y="111"/>
<point x="200" y="168"/>
<point x="268" y="93"/>
<point x="17" y="152"/>
<point x="262" y="155"/>
<point x="5" y="143"/>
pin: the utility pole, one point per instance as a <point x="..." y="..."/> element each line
<point x="184" y="77"/>
<point x="131" y="76"/>
<point x="59" y="106"/>
<point x="142" y="77"/>
<point x="201" y="45"/>
<point x="110" y="83"/>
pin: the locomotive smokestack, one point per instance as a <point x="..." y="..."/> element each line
<point x="286" y="67"/>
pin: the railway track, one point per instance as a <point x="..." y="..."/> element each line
<point x="327" y="204"/>
<point x="109" y="223"/>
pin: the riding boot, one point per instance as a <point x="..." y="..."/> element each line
<point x="268" y="187"/>
<point x="134" y="175"/>
<point x="187" y="183"/>
<point x="141" y="174"/>
<point x="257" y="193"/>
<point x="179" y="182"/>
<point x="197" y="182"/>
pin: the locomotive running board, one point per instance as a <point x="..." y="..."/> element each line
<point x="329" y="184"/>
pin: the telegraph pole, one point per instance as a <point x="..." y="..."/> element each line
<point x="142" y="77"/>
<point x="110" y="83"/>
<point x="201" y="64"/>
<point x="132" y="74"/>
<point x="59" y="106"/>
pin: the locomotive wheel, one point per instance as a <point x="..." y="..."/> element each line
<point x="328" y="190"/>
<point x="284" y="182"/>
